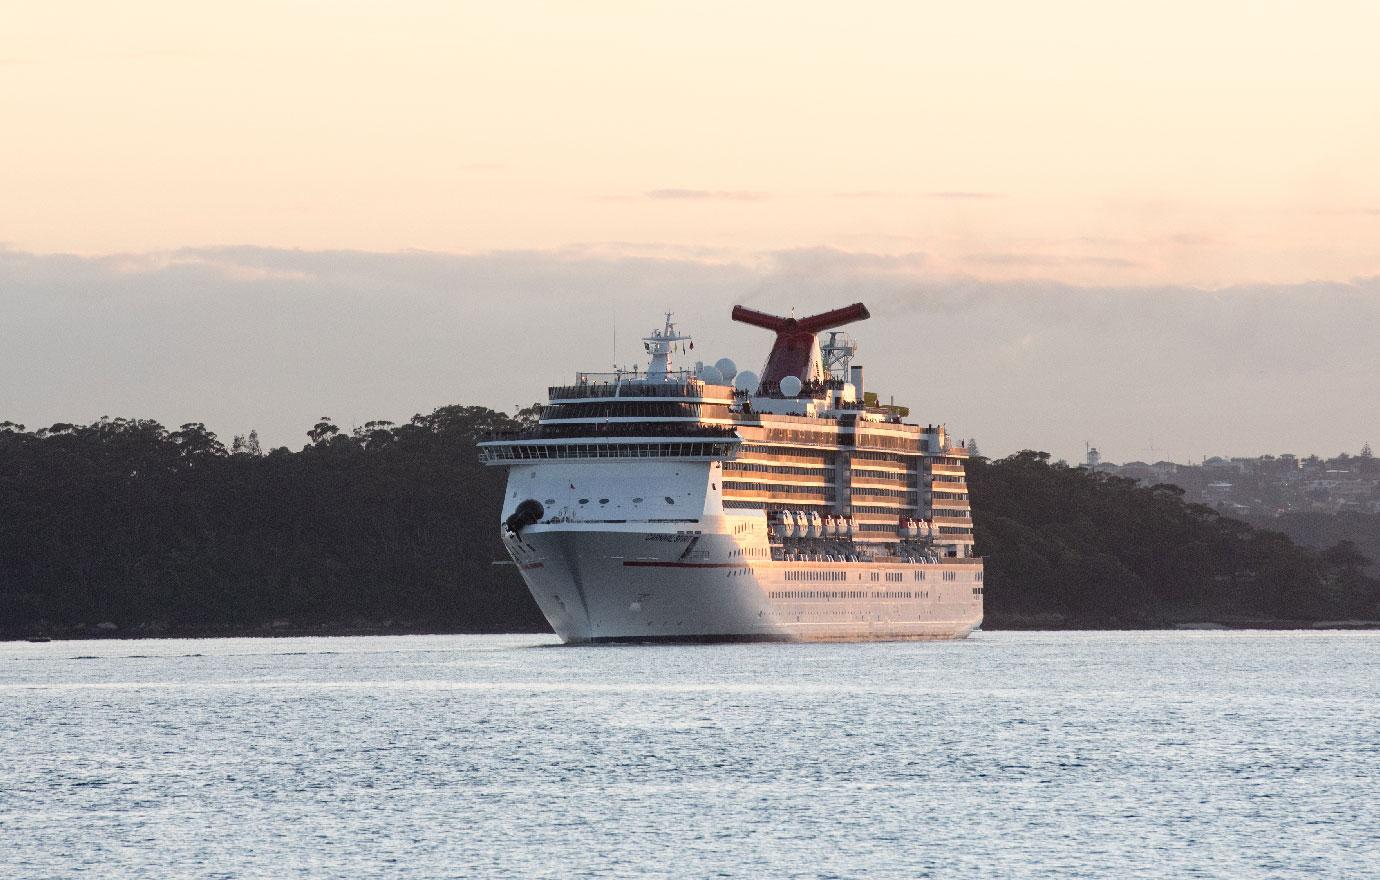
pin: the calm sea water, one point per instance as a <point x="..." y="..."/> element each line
<point x="1196" y="754"/>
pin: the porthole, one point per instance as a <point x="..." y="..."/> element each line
<point x="637" y="501"/>
<point x="550" y="501"/>
<point x="603" y="501"/>
<point x="584" y="500"/>
<point x="670" y="500"/>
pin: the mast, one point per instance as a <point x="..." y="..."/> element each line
<point x="661" y="345"/>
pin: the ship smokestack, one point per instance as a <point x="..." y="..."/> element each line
<point x="796" y="347"/>
<point x="855" y="375"/>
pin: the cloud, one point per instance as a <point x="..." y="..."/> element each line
<point x="242" y="337"/>
<point x="707" y="195"/>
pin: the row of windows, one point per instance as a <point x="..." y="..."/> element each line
<point x="886" y="441"/>
<point x="949" y="496"/>
<point x="947" y="478"/>
<point x="821" y="471"/>
<point x="524" y="452"/>
<point x="786" y="488"/>
<point x="876" y="527"/>
<point x="883" y="476"/>
<point x="891" y="576"/>
<point x="624" y="389"/>
<point x="954" y="530"/>
<point x="624" y="409"/>
<point x="817" y="438"/>
<point x="848" y="594"/>
<point x="869" y="455"/>
<point x="883" y="493"/>
<point x="816" y="575"/>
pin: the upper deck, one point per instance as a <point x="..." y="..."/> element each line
<point x="661" y="410"/>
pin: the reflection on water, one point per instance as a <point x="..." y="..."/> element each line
<point x="1008" y="754"/>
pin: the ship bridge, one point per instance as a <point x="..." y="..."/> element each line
<point x="659" y="412"/>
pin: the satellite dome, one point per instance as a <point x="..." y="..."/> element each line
<point x="746" y="381"/>
<point x="790" y="386"/>
<point x="711" y="376"/>
<point x="727" y="368"/>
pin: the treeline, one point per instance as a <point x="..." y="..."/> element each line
<point x="124" y="522"/>
<point x="144" y="530"/>
<point x="1068" y="547"/>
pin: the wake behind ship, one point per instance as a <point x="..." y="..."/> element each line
<point x="709" y="504"/>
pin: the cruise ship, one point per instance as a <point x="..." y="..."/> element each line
<point x="708" y="504"/>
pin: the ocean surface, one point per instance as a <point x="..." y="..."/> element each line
<point x="1187" y="754"/>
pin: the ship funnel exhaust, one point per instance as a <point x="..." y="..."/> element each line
<point x="796" y="348"/>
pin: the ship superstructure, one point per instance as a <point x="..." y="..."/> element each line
<point x="709" y="504"/>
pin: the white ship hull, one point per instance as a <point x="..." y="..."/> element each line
<point x="639" y="582"/>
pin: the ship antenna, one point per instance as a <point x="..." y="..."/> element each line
<point x="661" y="345"/>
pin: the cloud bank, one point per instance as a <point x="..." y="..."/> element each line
<point x="265" y="338"/>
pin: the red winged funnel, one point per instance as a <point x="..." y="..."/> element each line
<point x="796" y="350"/>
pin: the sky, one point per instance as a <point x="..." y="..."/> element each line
<point x="1152" y="227"/>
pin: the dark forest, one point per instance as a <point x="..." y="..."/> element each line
<point x="124" y="528"/>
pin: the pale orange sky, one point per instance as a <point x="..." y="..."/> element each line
<point x="1089" y="142"/>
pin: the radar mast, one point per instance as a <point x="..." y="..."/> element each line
<point x="661" y="345"/>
